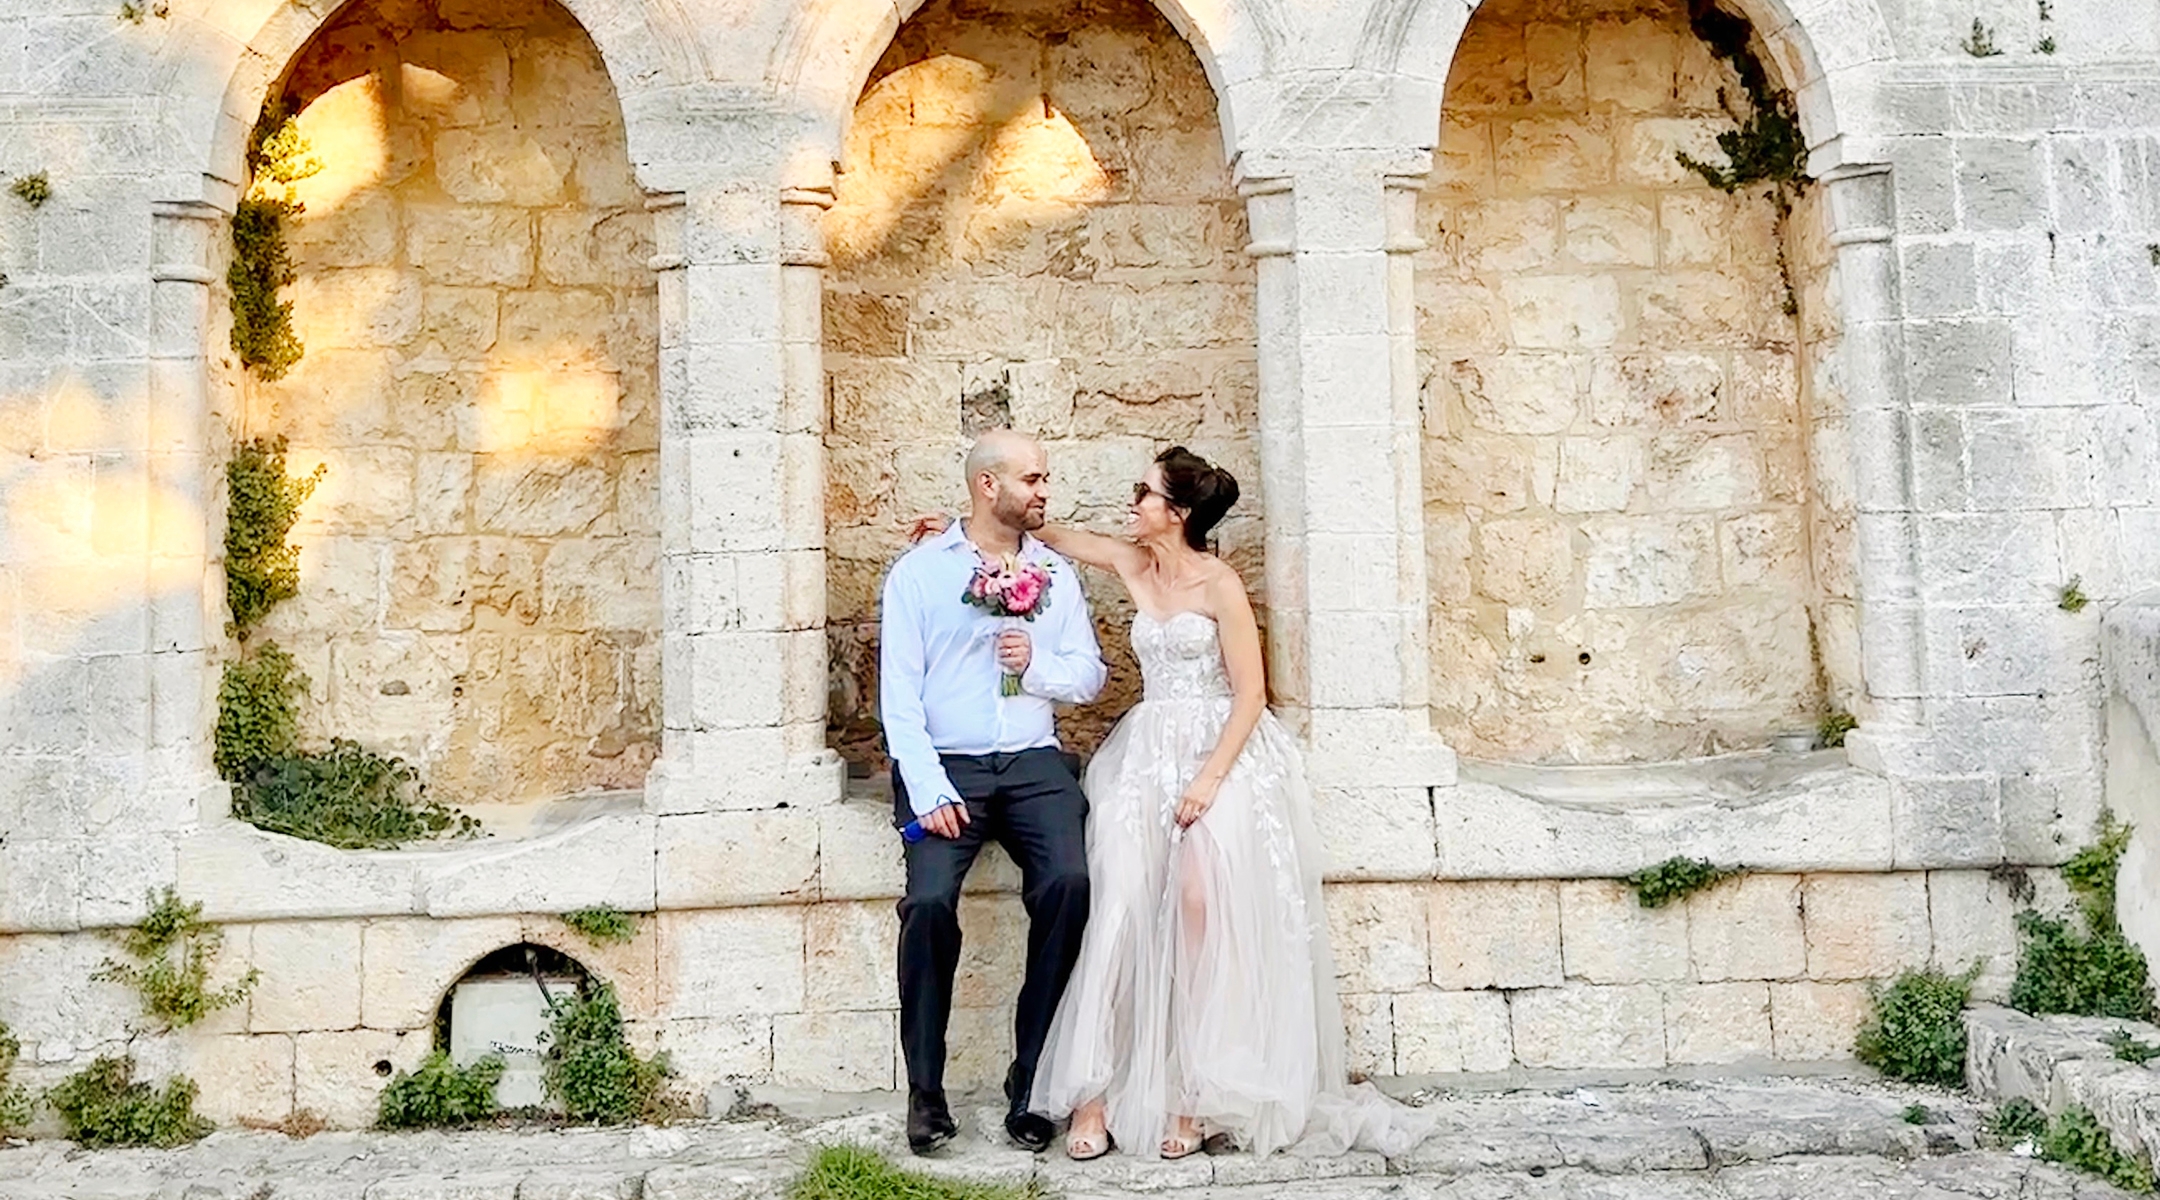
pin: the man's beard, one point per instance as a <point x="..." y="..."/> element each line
<point x="1018" y="514"/>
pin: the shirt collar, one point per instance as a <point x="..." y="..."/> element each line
<point x="955" y="538"/>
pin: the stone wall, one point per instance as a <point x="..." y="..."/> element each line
<point x="480" y="566"/>
<point x="1617" y="477"/>
<point x="1033" y="227"/>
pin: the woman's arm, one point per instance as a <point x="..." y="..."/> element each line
<point x="1239" y="631"/>
<point x="1094" y="549"/>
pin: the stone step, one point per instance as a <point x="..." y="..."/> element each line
<point x="1666" y="1131"/>
<point x="2059" y="1062"/>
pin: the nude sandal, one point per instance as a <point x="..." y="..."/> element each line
<point x="1078" y="1148"/>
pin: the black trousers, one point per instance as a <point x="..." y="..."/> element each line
<point x="1031" y="804"/>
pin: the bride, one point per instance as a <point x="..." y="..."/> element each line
<point x="1203" y="1003"/>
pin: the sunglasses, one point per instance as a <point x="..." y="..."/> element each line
<point x="1141" y="491"/>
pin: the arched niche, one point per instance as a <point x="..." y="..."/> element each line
<point x="1034" y="226"/>
<point x="479" y="567"/>
<point x="1639" y="505"/>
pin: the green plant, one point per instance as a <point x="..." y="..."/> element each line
<point x="2081" y="963"/>
<point x="262" y="503"/>
<point x="2046" y="45"/>
<point x="33" y="189"/>
<point x="854" y="1173"/>
<point x="590" y="1067"/>
<point x="347" y="796"/>
<point x="1917" y="1114"/>
<point x="1980" y="43"/>
<point x="602" y="924"/>
<point x="2075" y="1139"/>
<point x="2016" y="1120"/>
<point x="133" y="11"/>
<point x="173" y="948"/>
<point x="2071" y="597"/>
<point x="2129" y="1049"/>
<point x="105" y="1105"/>
<point x="440" y="1094"/>
<point x="258" y="718"/>
<point x="1768" y="147"/>
<point x="14" y="1100"/>
<point x="1675" y="878"/>
<point x="262" y="332"/>
<point x="1913" y="1031"/>
<point x="1833" y="727"/>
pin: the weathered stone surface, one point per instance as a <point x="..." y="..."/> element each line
<point x="1607" y="936"/>
<point x="1451" y="1031"/>
<point x="1747" y="928"/>
<point x="1584" y="1025"/>
<point x="1865" y="926"/>
<point x="1812" y="1021"/>
<point x="312" y="977"/>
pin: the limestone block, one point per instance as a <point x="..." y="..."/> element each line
<point x="1563" y="312"/>
<point x="1656" y="389"/>
<point x="1952" y="822"/>
<point x="1582" y="1026"/>
<point x="1520" y="393"/>
<point x="852" y="954"/>
<point x="836" y="1051"/>
<point x="1711" y="307"/>
<point x="1765" y="550"/>
<point x="1966" y="362"/>
<point x="456" y="78"/>
<point x="607" y="860"/>
<point x="339" y="1076"/>
<point x="1597" y="474"/>
<point x="1554" y="154"/>
<point x="1647" y="149"/>
<point x="712" y="860"/>
<point x="311" y="977"/>
<point x="408" y="964"/>
<point x="499" y="164"/>
<point x="1973" y="920"/>
<point x="1695" y="228"/>
<point x="1377" y="833"/>
<point x="51" y="1005"/>
<point x="978" y="1048"/>
<point x="367" y="490"/>
<point x="1369" y="1033"/>
<point x="356" y="308"/>
<point x="1494" y="934"/>
<point x="362" y="231"/>
<point x="731" y="962"/>
<point x="1865" y="926"/>
<point x="632" y="967"/>
<point x="602" y="583"/>
<point x="859" y="852"/>
<point x="870" y="325"/>
<point x="1747" y="928"/>
<point x="1607" y="936"/>
<point x="1632" y="63"/>
<point x="1688" y="472"/>
<point x="1999" y="183"/>
<point x="460" y="245"/>
<point x="703" y="1050"/>
<point x="546" y="497"/>
<point x="1639" y="562"/>
<point x="1718" y="1023"/>
<point x="238" y="873"/>
<point x="1528" y="563"/>
<point x="242" y="1079"/>
<point x="1379" y="933"/>
<point x="1811" y="1022"/>
<point x="1437" y="1032"/>
<point x="459" y="323"/>
<point x="1612" y="231"/>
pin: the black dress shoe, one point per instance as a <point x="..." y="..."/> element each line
<point x="1032" y="1131"/>
<point x="929" y="1122"/>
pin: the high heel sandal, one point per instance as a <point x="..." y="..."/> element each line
<point x="1182" y="1145"/>
<point x="1073" y="1146"/>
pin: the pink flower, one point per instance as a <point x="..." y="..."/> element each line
<point x="1020" y="598"/>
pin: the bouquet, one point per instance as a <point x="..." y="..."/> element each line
<point x="1009" y="588"/>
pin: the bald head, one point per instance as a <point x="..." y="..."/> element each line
<point x="1008" y="479"/>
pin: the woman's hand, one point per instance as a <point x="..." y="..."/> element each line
<point x="1198" y="798"/>
<point x="926" y="526"/>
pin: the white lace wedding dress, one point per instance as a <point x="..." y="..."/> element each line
<point x="1205" y="987"/>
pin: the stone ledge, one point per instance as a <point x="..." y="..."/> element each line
<point x="2058" y="1062"/>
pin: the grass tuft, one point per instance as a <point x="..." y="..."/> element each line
<point x="853" y="1173"/>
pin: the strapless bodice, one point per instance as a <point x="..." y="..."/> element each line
<point x="1180" y="657"/>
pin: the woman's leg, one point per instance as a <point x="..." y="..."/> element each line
<point x="1192" y="918"/>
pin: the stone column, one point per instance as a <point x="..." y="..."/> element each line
<point x="742" y="503"/>
<point x="1340" y="448"/>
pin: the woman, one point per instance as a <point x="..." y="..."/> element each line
<point x="1204" y="999"/>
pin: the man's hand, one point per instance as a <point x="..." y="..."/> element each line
<point x="1015" y="651"/>
<point x="945" y="821"/>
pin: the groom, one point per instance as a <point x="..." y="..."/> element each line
<point x="971" y="765"/>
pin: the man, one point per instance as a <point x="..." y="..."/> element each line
<point x="971" y="764"/>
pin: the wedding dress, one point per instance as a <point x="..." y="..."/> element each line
<point x="1205" y="987"/>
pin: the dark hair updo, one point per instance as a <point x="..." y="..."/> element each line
<point x="1204" y="490"/>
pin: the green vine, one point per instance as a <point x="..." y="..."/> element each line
<point x="1833" y="727"/>
<point x="2129" y="1048"/>
<point x="1769" y="145"/>
<point x="14" y="1099"/>
<point x="33" y="189"/>
<point x="262" y="332"/>
<point x="262" y="503"/>
<point x="1675" y="878"/>
<point x="1913" y="1031"/>
<point x="591" y="1069"/>
<point x="440" y="1095"/>
<point x="2081" y="963"/>
<point x="105" y="1105"/>
<point x="172" y="949"/>
<point x="258" y="721"/>
<point x="602" y="925"/>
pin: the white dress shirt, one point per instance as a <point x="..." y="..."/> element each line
<point x="938" y="674"/>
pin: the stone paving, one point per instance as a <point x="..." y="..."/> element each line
<point x="1758" y="1140"/>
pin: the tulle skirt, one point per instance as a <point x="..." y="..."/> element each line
<point x="1205" y="986"/>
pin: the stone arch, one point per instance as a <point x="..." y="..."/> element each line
<point x="826" y="52"/>
<point x="1640" y="493"/>
<point x="222" y="61"/>
<point x="1813" y="49"/>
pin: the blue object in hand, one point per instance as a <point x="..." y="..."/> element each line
<point x="913" y="831"/>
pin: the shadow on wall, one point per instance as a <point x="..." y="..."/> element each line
<point x="1035" y="227"/>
